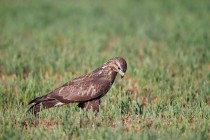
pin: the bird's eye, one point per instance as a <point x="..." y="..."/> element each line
<point x="118" y="68"/>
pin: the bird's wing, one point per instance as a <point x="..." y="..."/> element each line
<point x="79" y="91"/>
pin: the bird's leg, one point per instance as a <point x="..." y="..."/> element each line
<point x="93" y="104"/>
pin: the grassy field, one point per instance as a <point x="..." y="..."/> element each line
<point x="164" y="95"/>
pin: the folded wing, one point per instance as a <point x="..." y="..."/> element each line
<point x="81" y="91"/>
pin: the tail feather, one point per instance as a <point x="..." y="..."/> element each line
<point x="41" y="102"/>
<point x="40" y="99"/>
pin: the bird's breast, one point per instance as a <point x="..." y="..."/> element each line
<point x="113" y="76"/>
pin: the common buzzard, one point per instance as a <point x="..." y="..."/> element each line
<point x="85" y="90"/>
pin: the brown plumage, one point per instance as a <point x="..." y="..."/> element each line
<point x="85" y="90"/>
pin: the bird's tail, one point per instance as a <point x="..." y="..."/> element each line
<point x="41" y="102"/>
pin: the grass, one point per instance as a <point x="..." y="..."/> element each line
<point x="164" y="95"/>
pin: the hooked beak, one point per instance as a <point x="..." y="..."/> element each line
<point x="121" y="73"/>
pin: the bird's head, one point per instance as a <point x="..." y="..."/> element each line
<point x="117" y="64"/>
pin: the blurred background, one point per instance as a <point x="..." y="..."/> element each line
<point x="44" y="43"/>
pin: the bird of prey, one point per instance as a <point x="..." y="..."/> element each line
<point x="86" y="90"/>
